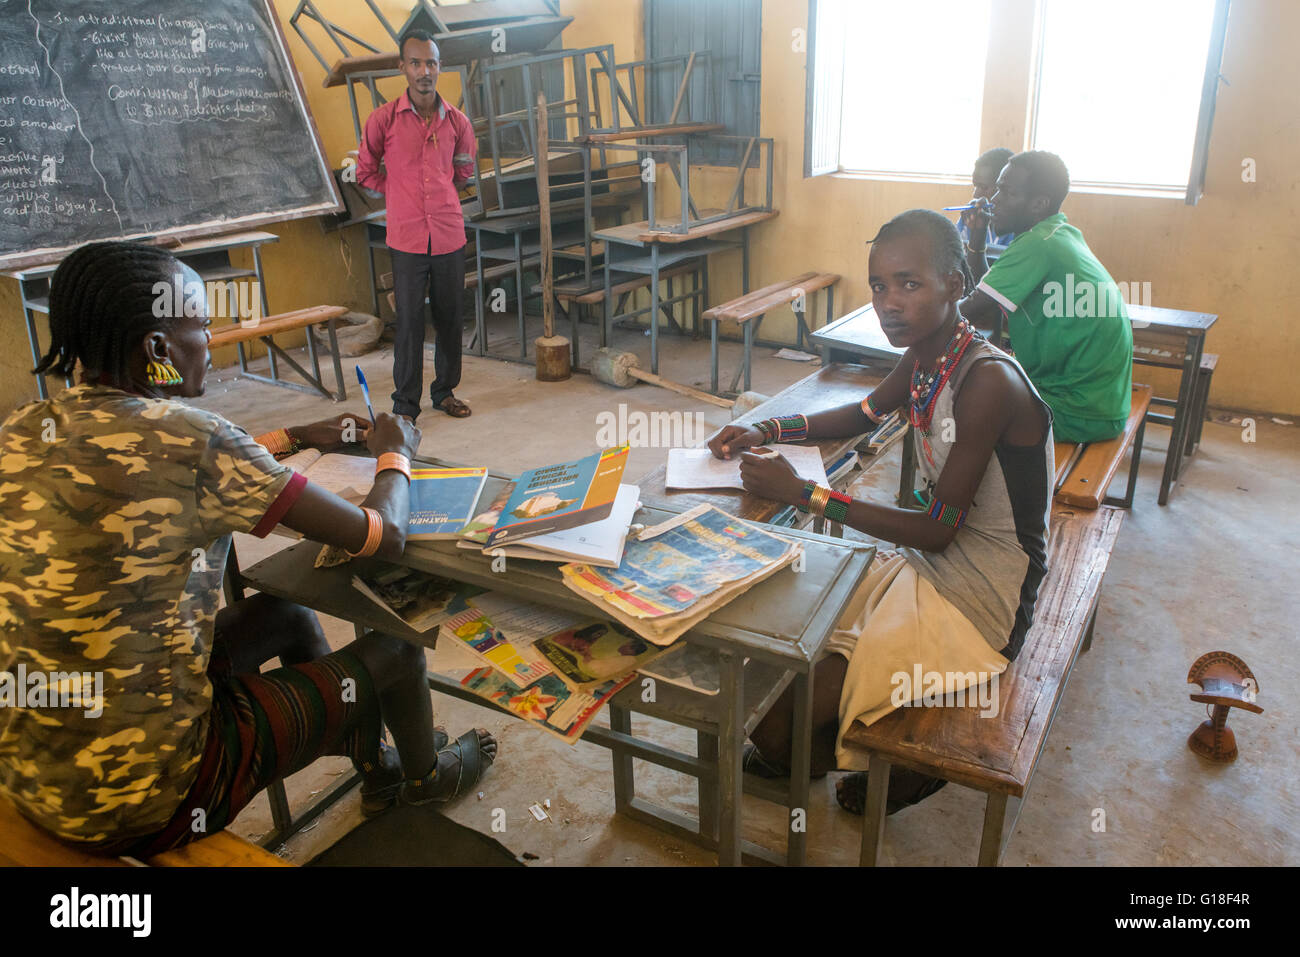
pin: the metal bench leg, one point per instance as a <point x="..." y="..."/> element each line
<point x="1127" y="500"/>
<point x="873" y="817"/>
<point x="800" y="773"/>
<point x="1087" y="635"/>
<point x="338" y="362"/>
<point x="995" y="812"/>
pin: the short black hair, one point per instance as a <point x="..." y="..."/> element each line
<point x="994" y="159"/>
<point x="415" y="33"/>
<point x="1046" y="175"/>
<point x="102" y="304"/>
<point x="949" y="255"/>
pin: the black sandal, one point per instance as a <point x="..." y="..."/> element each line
<point x="905" y="789"/>
<point x="379" y="793"/>
<point x="469" y="761"/>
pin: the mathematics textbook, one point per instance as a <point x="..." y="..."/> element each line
<point x="443" y="501"/>
<point x="561" y="496"/>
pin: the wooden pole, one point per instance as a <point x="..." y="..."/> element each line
<point x="552" y="351"/>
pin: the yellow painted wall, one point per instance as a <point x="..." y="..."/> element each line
<point x="1232" y="255"/>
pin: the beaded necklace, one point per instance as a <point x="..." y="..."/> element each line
<point x="926" y="386"/>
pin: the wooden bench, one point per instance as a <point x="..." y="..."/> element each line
<point x="26" y="845"/>
<point x="750" y="309"/>
<point x="1091" y="466"/>
<point x="264" y="329"/>
<point x="997" y="754"/>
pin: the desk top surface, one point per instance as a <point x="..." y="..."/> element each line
<point x="827" y="388"/>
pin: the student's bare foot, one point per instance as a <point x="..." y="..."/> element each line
<point x="461" y="765"/>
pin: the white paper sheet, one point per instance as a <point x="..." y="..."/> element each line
<point x="698" y="469"/>
<point x="347" y="476"/>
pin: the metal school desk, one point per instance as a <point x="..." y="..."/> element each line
<point x="765" y="639"/>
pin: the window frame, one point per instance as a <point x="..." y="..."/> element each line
<point x="1191" y="193"/>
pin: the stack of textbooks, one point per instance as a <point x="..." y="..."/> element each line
<point x="676" y="574"/>
<point x="574" y="511"/>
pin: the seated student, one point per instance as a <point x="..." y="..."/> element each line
<point x="959" y="596"/>
<point x="983" y="245"/>
<point x="1068" y="324"/>
<point x="116" y="509"/>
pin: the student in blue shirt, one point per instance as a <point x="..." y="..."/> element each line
<point x="988" y="245"/>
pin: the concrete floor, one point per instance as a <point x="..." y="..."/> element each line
<point x="1206" y="572"/>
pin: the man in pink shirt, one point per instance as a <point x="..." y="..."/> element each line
<point x="428" y="152"/>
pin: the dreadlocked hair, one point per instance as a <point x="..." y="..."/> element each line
<point x="102" y="304"/>
<point x="945" y="242"/>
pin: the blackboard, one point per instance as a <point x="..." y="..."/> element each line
<point x="130" y="118"/>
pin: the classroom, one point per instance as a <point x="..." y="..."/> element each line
<point x="649" y="433"/>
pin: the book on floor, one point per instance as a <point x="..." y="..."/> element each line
<point x="443" y="501"/>
<point x="561" y="496"/>
<point x="700" y="469"/>
<point x="420" y="600"/>
<point x="597" y="543"/>
<point x="676" y="574"/>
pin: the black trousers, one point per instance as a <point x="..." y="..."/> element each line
<point x="442" y="279"/>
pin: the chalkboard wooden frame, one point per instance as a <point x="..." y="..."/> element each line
<point x="220" y="227"/>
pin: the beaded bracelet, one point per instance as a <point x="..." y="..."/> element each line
<point x="374" y="533"/>
<point x="837" y="506"/>
<point x="946" y="514"/>
<point x="869" y="409"/>
<point x="769" y="430"/>
<point x="805" y="495"/>
<point x="279" y="442"/>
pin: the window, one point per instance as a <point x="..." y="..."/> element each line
<point x="1119" y="89"/>
<point x="1123" y="91"/>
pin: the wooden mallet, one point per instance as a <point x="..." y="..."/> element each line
<point x="552" y="351"/>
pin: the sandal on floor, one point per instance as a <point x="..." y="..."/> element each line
<point x="460" y="766"/>
<point x="454" y="407"/>
<point x="379" y="792"/>
<point x="753" y="762"/>
<point x="906" y="788"/>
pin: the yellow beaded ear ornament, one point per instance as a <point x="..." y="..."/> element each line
<point x="164" y="373"/>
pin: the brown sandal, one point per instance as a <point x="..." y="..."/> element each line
<point x="454" y="407"/>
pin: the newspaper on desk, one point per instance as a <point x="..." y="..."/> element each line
<point x="675" y="575"/>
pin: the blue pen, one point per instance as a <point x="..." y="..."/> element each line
<point x="365" y="391"/>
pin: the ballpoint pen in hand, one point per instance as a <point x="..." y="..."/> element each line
<point x="365" y="391"/>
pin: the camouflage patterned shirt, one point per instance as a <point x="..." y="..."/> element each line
<point x="115" y="520"/>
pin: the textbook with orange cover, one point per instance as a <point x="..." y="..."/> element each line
<point x="561" y="496"/>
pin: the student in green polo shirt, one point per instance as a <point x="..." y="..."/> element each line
<point x="1067" y="322"/>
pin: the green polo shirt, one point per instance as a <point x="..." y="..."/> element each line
<point x="1068" y="327"/>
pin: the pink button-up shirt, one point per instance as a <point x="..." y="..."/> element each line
<point x="424" y="167"/>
